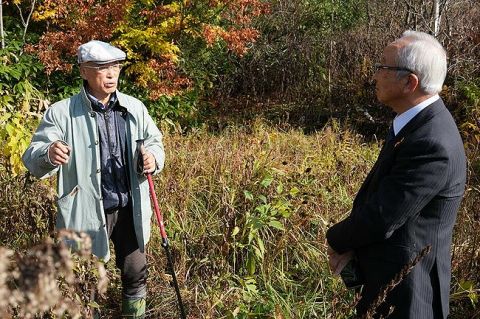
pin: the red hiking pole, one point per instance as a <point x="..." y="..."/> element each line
<point x="165" y="245"/>
<point x="163" y="233"/>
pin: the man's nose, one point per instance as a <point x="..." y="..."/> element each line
<point x="110" y="72"/>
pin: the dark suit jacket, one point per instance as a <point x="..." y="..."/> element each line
<point x="409" y="200"/>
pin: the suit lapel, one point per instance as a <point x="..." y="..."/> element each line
<point x="421" y="118"/>
<point x="384" y="152"/>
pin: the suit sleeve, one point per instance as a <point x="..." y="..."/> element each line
<point x="417" y="175"/>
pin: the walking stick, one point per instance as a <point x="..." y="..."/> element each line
<point x="165" y="245"/>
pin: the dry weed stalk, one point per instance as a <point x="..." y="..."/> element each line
<point x="48" y="278"/>
<point x="393" y="283"/>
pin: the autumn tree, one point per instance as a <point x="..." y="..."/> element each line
<point x="70" y="23"/>
<point x="148" y="31"/>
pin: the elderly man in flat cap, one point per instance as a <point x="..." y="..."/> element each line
<point x="89" y="140"/>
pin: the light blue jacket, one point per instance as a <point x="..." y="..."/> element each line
<point x="79" y="193"/>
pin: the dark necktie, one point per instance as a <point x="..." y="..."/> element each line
<point x="390" y="135"/>
<point x="388" y="140"/>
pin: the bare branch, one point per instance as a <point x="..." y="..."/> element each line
<point x="27" y="21"/>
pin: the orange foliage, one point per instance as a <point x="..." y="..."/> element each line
<point x="236" y="39"/>
<point x="240" y="14"/>
<point x="71" y="23"/>
<point x="169" y="81"/>
<point x="150" y="39"/>
<point x="158" y="14"/>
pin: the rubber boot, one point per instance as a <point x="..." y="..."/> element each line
<point x="133" y="308"/>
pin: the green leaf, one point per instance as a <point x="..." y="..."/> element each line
<point x="280" y="188"/>
<point x="257" y="224"/>
<point x="257" y="251"/>
<point x="276" y="224"/>
<point x="466" y="285"/>
<point x="16" y="74"/>
<point x="267" y="181"/>
<point x="263" y="199"/>
<point x="262" y="209"/>
<point x="250" y="235"/>
<point x="251" y="265"/>
<point x="251" y="285"/>
<point x="94" y="304"/>
<point x="248" y="195"/>
<point x="294" y="191"/>
<point x="235" y="231"/>
<point x="261" y="247"/>
<point x="9" y="128"/>
<point x="473" y="298"/>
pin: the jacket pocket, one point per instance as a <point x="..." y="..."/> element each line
<point x="65" y="204"/>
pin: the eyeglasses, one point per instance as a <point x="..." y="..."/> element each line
<point x="105" y="68"/>
<point x="379" y="66"/>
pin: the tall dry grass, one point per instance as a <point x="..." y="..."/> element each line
<point x="246" y="211"/>
<point x="202" y="192"/>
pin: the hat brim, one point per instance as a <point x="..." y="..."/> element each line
<point x="101" y="62"/>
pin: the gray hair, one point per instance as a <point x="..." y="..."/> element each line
<point x="426" y="57"/>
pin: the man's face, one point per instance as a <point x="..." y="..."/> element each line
<point x="102" y="78"/>
<point x="388" y="87"/>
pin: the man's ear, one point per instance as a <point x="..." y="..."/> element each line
<point x="82" y="73"/>
<point x="412" y="83"/>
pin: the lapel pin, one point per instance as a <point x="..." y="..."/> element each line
<point x="399" y="142"/>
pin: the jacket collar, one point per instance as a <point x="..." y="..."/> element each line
<point x="121" y="98"/>
<point x="422" y="117"/>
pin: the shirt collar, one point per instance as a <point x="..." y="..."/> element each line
<point x="401" y="120"/>
<point x="100" y="105"/>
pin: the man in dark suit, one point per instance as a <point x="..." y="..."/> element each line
<point x="411" y="196"/>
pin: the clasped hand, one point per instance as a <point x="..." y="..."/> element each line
<point x="148" y="162"/>
<point x="338" y="261"/>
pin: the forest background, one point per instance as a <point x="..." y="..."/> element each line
<point x="270" y="124"/>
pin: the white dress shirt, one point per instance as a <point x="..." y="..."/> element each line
<point x="401" y="120"/>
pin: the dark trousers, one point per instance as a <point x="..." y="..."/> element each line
<point x="397" y="299"/>
<point x="129" y="259"/>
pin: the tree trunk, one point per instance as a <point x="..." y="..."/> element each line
<point x="436" y="17"/>
<point x="1" y="25"/>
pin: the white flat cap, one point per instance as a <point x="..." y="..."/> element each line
<point x="99" y="52"/>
